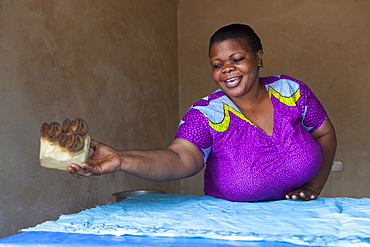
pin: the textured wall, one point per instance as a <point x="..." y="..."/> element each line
<point x="113" y="63"/>
<point x="324" y="43"/>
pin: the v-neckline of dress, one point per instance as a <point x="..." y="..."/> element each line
<point x="251" y="122"/>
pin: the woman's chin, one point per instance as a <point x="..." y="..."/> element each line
<point x="234" y="94"/>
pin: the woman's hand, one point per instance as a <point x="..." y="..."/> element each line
<point x="104" y="160"/>
<point x="304" y="193"/>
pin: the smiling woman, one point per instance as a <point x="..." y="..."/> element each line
<point x="259" y="138"/>
<point x="235" y="68"/>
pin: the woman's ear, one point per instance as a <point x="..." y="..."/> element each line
<point x="259" y="58"/>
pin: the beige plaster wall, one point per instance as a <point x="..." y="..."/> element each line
<point x="113" y="63"/>
<point x="324" y="43"/>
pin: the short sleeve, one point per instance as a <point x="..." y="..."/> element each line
<point x="313" y="113"/>
<point x="194" y="128"/>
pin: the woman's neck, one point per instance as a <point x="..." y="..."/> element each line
<point x="252" y="98"/>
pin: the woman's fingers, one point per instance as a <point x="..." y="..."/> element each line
<point x="78" y="171"/>
<point x="94" y="144"/>
<point x="303" y="194"/>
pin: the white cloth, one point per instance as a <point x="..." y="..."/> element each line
<point x="323" y="222"/>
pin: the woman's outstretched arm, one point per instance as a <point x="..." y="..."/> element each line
<point x="181" y="159"/>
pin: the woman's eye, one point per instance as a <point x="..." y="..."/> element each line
<point x="217" y="65"/>
<point x="236" y="60"/>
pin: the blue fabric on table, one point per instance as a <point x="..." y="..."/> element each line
<point x="61" y="239"/>
<point x="323" y="222"/>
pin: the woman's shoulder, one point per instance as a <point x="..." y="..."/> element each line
<point x="216" y="98"/>
<point x="212" y="106"/>
<point x="283" y="84"/>
<point x="213" y="96"/>
<point x="282" y="79"/>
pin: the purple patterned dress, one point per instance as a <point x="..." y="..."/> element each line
<point x="245" y="164"/>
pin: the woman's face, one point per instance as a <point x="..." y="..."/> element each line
<point x="235" y="66"/>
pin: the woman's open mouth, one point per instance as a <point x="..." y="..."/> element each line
<point x="233" y="81"/>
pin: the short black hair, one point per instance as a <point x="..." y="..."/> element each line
<point x="234" y="31"/>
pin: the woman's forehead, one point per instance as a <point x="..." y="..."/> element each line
<point x="228" y="46"/>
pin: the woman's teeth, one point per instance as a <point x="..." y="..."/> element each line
<point x="232" y="81"/>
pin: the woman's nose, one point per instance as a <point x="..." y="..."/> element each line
<point x="228" y="68"/>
